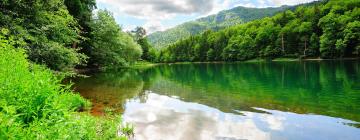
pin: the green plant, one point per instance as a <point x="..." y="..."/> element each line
<point x="35" y="105"/>
<point x="127" y="130"/>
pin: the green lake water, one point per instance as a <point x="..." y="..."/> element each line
<point x="233" y="101"/>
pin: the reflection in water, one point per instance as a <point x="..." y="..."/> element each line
<point x="110" y="90"/>
<point x="162" y="117"/>
<point x="311" y="100"/>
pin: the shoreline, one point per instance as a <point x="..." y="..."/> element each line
<point x="262" y="60"/>
<point x="142" y="65"/>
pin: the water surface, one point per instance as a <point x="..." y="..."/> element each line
<point x="255" y="101"/>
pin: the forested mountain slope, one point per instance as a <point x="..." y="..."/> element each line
<point x="214" y="22"/>
<point x="330" y="29"/>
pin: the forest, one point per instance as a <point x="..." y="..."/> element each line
<point x="327" y="30"/>
<point x="223" y="19"/>
<point x="67" y="34"/>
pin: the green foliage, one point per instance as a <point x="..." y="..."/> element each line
<point x="111" y="47"/>
<point x="35" y="105"/>
<point x="61" y="34"/>
<point x="81" y="10"/>
<point x="43" y="26"/>
<point x="153" y="55"/>
<point x="210" y="55"/>
<point x="145" y="46"/>
<point x="58" y="57"/>
<point x="139" y="35"/>
<point x="216" y="22"/>
<point x="325" y="29"/>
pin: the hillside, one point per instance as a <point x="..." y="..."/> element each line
<point x="329" y="30"/>
<point x="214" y="22"/>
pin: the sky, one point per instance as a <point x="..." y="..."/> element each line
<point x="159" y="15"/>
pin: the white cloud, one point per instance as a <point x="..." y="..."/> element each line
<point x="219" y="6"/>
<point x="153" y="26"/>
<point x="288" y="2"/>
<point x="159" y="9"/>
<point x="154" y="12"/>
<point x="128" y="27"/>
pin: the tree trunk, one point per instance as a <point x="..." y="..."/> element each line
<point x="282" y="44"/>
<point x="74" y="46"/>
<point x="305" y="47"/>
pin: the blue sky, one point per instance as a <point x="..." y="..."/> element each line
<point x="159" y="15"/>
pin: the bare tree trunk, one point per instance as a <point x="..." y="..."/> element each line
<point x="305" y="71"/>
<point x="74" y="46"/>
<point x="282" y="43"/>
<point x="305" y="47"/>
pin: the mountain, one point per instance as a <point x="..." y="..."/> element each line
<point x="218" y="21"/>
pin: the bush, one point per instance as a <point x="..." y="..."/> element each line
<point x="35" y="105"/>
<point x="57" y="57"/>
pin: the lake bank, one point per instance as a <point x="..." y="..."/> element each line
<point x="145" y="64"/>
<point x="150" y="64"/>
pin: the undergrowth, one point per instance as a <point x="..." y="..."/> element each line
<point x="35" y="105"/>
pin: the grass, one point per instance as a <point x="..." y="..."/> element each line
<point x="256" y="60"/>
<point x="141" y="65"/>
<point x="285" y="59"/>
<point x="35" y="105"/>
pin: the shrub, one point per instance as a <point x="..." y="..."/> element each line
<point x="57" y="57"/>
<point x="35" y="105"/>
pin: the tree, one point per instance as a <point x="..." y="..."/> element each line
<point x="304" y="30"/>
<point x="153" y="55"/>
<point x="210" y="55"/>
<point x="352" y="37"/>
<point x="139" y="33"/>
<point x="44" y="26"/>
<point x="111" y="46"/>
<point x="327" y="29"/>
<point x="82" y="10"/>
<point x="314" y="45"/>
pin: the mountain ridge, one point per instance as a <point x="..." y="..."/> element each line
<point x="221" y="20"/>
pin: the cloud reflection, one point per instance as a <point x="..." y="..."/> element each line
<point x="165" y="118"/>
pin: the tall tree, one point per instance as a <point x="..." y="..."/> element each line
<point x="47" y="28"/>
<point x="111" y="47"/>
<point x="139" y="35"/>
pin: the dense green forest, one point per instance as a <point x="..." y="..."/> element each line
<point x="64" y="34"/>
<point x="329" y="29"/>
<point x="223" y="19"/>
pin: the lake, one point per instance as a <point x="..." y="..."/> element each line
<point x="233" y="101"/>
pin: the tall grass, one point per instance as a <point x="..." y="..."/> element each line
<point x="35" y="105"/>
